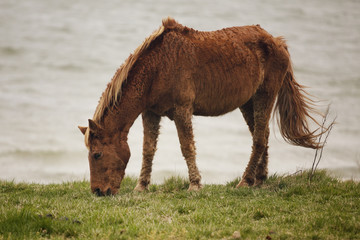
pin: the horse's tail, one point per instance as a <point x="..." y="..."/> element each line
<point x="294" y="107"/>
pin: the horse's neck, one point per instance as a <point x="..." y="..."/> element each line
<point x="131" y="105"/>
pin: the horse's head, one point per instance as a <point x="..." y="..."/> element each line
<point x="108" y="157"/>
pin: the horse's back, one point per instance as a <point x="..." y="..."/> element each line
<point x="214" y="72"/>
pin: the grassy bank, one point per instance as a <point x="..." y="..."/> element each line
<point x="283" y="208"/>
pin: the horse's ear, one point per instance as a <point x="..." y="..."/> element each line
<point x="94" y="127"/>
<point x="83" y="129"/>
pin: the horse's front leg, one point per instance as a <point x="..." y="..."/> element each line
<point x="182" y="118"/>
<point x="151" y="124"/>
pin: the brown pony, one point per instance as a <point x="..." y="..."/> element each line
<point x="179" y="72"/>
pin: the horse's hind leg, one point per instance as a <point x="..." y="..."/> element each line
<point x="248" y="113"/>
<point x="258" y="122"/>
<point x="261" y="170"/>
<point x="262" y="167"/>
<point x="151" y="124"/>
<point x="182" y="118"/>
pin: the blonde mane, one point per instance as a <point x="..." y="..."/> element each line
<point x="112" y="93"/>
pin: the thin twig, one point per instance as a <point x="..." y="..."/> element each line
<point x="317" y="159"/>
<point x="319" y="142"/>
<point x="321" y="151"/>
<point x="295" y="173"/>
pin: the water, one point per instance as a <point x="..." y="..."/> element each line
<point x="56" y="58"/>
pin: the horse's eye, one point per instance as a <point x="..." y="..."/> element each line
<point x="97" y="155"/>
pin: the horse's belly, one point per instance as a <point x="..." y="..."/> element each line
<point x="220" y="92"/>
<point x="216" y="106"/>
<point x="213" y="111"/>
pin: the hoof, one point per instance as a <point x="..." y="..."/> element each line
<point x="245" y="182"/>
<point x="194" y="187"/>
<point x="140" y="188"/>
<point x="242" y="183"/>
<point x="258" y="182"/>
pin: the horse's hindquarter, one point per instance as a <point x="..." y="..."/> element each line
<point x="229" y="69"/>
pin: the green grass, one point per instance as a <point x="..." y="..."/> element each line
<point x="285" y="207"/>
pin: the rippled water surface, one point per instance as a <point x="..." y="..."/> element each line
<point x="56" y="58"/>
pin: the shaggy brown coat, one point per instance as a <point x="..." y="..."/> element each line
<point x="179" y="72"/>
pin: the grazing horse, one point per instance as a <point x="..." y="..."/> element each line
<point x="179" y="72"/>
